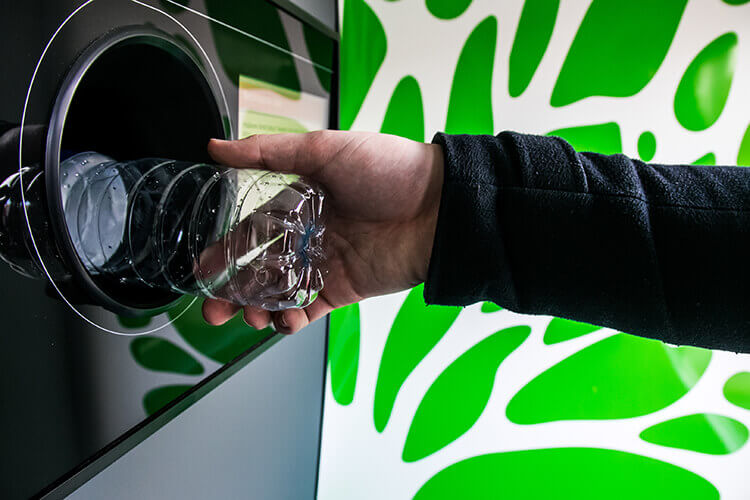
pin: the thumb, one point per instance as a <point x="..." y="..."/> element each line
<point x="294" y="153"/>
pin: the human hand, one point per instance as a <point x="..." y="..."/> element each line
<point x="383" y="198"/>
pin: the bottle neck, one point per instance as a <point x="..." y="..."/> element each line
<point x="25" y="234"/>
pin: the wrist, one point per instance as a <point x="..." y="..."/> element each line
<point x="434" y="166"/>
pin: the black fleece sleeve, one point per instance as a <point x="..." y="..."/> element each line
<point x="654" y="250"/>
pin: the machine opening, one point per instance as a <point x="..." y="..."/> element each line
<point x="140" y="97"/>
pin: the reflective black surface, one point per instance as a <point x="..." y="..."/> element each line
<point x="69" y="390"/>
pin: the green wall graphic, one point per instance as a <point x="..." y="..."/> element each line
<point x="415" y="331"/>
<point x="361" y="28"/>
<point x="486" y="403"/>
<point x="447" y="9"/>
<point x="619" y="47"/>
<point x="704" y="433"/>
<point x="743" y="157"/>
<point x="707" y="159"/>
<point x="532" y="37"/>
<point x="610" y="379"/>
<point x="470" y="105"/>
<point x="458" y="396"/>
<point x="405" y="116"/>
<point x="489" y="307"/>
<point x="737" y="390"/>
<point x="647" y="146"/>
<point x="704" y="88"/>
<point x="604" y="138"/>
<point x="560" y="330"/>
<point x="581" y="473"/>
<point x="343" y="352"/>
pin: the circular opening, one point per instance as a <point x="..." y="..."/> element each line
<point x="134" y="94"/>
<point x="142" y="97"/>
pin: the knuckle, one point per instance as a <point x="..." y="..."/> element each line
<point x="318" y="145"/>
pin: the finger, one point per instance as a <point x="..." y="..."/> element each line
<point x="256" y="317"/>
<point x="210" y="264"/>
<point x="218" y="312"/>
<point x="298" y="153"/>
<point x="319" y="308"/>
<point x="293" y="320"/>
<point x="290" y="321"/>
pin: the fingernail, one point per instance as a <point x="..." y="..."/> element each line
<point x="246" y="321"/>
<point x="282" y="325"/>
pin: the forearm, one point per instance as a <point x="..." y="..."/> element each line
<point x="659" y="251"/>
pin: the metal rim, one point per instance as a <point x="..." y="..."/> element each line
<point x="125" y="35"/>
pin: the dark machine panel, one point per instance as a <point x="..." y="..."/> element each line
<point x="91" y="369"/>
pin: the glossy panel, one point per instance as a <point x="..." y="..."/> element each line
<point x="69" y="390"/>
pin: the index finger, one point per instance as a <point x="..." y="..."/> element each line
<point x="295" y="153"/>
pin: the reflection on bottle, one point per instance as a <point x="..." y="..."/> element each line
<point x="246" y="236"/>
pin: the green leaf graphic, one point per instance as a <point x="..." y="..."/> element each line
<point x="736" y="2"/>
<point x="560" y="330"/>
<point x="162" y="355"/>
<point x="457" y="398"/>
<point x="561" y="473"/>
<point x="604" y="138"/>
<point x="470" y="106"/>
<point x="704" y="87"/>
<point x="618" y="49"/>
<point x="737" y="390"/>
<point x="405" y="116"/>
<point x="220" y="343"/>
<point x="611" y="379"/>
<point x="532" y="38"/>
<point x="701" y="432"/>
<point x="743" y="157"/>
<point x="490" y="307"/>
<point x="415" y="331"/>
<point x="447" y="9"/>
<point x="343" y="352"/>
<point x="707" y="159"/>
<point x="647" y="146"/>
<point x="156" y="399"/>
<point x="363" y="47"/>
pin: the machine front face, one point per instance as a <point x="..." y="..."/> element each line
<point x="89" y="367"/>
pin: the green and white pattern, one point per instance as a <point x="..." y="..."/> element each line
<point x="436" y="402"/>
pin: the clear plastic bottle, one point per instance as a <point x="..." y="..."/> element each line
<point x="250" y="237"/>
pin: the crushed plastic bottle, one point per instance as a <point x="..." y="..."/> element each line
<point x="250" y="237"/>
